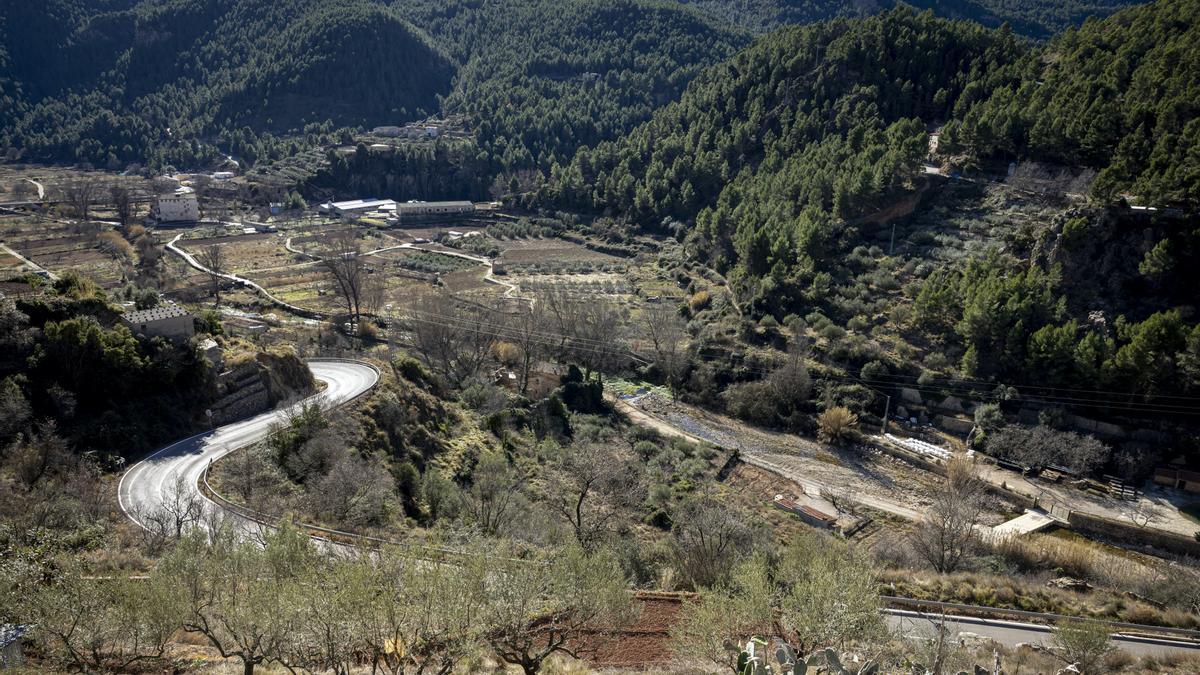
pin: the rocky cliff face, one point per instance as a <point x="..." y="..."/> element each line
<point x="254" y="386"/>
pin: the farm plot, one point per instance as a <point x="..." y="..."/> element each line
<point x="556" y="256"/>
<point x="60" y="249"/>
<point x="11" y="265"/>
<point x="307" y="286"/>
<point x="246" y="254"/>
<point x="610" y="285"/>
<point x="432" y="232"/>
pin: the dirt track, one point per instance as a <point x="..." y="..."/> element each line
<point x="868" y="478"/>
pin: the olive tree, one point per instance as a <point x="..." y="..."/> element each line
<point x="1083" y="643"/>
<point x="821" y="593"/>
<point x="567" y="601"/>
<point x="413" y="616"/>
<point x="101" y="624"/>
<point x="242" y="595"/>
<point x="727" y="613"/>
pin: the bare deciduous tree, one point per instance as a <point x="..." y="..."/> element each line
<point x="181" y="509"/>
<point x="708" y="538"/>
<point x="496" y="497"/>
<point x="123" y="204"/>
<point x="525" y="328"/>
<point x="343" y="260"/>
<point x="355" y="492"/>
<point x="212" y="258"/>
<point x="585" y="331"/>
<point x="667" y="333"/>
<point x="588" y="486"/>
<point x="945" y="537"/>
<point x="454" y="339"/>
<point x="80" y="193"/>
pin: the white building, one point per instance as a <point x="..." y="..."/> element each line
<point x="402" y="212"/>
<point x="177" y="208"/>
<point x="168" y="320"/>
<point x="428" y="210"/>
<point x="357" y="206"/>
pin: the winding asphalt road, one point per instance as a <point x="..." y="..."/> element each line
<point x="148" y="484"/>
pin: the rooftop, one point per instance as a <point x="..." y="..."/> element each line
<point x="355" y="204"/>
<point x="167" y="310"/>
<point x="423" y="205"/>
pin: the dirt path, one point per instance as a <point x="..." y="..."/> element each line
<point x="872" y="479"/>
<point x="32" y="265"/>
<point x="880" y="482"/>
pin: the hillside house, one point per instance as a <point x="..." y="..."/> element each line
<point x="168" y="320"/>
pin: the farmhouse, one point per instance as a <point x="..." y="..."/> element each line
<point x="177" y="208"/>
<point x="167" y="320"/>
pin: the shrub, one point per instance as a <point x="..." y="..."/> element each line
<point x="833" y="332"/>
<point x="836" y="425"/>
<point x="874" y="371"/>
<point x="701" y="300"/>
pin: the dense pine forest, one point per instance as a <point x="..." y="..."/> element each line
<point x="1034" y="19"/>
<point x="772" y="166"/>
<point x="168" y="83"/>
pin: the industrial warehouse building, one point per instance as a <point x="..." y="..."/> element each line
<point x="400" y="212"/>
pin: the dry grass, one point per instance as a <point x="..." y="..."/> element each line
<point x="1076" y="558"/>
<point x="1021" y="593"/>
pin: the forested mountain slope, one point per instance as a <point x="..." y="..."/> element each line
<point x="809" y="126"/>
<point x="112" y="82"/>
<point x="1033" y="18"/>
<point x="542" y="77"/>
<point x="775" y="168"/>
<point x="129" y="85"/>
<point x="1121" y="96"/>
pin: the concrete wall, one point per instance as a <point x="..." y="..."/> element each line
<point x="176" y="327"/>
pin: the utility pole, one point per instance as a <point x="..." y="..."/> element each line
<point x="887" y="408"/>
<point x="892" y="246"/>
